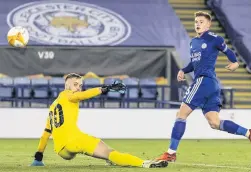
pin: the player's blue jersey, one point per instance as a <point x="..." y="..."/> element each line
<point x="204" y="92"/>
<point x="203" y="53"/>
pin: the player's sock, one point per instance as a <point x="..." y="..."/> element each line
<point x="231" y="127"/>
<point x="170" y="151"/>
<point x="177" y="133"/>
<point x="124" y="159"/>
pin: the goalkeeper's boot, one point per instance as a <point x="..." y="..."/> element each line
<point x="167" y="157"/>
<point x="155" y="164"/>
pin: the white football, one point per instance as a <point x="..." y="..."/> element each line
<point x="18" y="36"/>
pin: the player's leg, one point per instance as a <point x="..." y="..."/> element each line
<point x="211" y="111"/>
<point x="193" y="98"/>
<point x="179" y="126"/>
<point x="95" y="147"/>
<point x="212" y="116"/>
<point x="124" y="159"/>
<point x="178" y="131"/>
<point x="189" y="104"/>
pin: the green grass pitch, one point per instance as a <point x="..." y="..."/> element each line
<point x="193" y="156"/>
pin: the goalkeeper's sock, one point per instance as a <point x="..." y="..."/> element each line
<point x="233" y="128"/>
<point x="177" y="133"/>
<point x="124" y="159"/>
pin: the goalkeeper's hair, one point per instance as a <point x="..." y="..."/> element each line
<point x="72" y="75"/>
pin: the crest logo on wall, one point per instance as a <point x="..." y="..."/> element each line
<point x="70" y="23"/>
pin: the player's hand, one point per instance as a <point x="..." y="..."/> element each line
<point x="181" y="76"/>
<point x="117" y="86"/>
<point x="38" y="159"/>
<point x="232" y="66"/>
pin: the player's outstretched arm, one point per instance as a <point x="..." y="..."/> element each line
<point x="83" y="95"/>
<point x="93" y="92"/>
<point x="38" y="157"/>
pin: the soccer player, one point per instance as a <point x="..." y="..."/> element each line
<point x="204" y="91"/>
<point x="67" y="137"/>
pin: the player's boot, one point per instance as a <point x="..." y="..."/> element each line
<point x="155" y="164"/>
<point x="167" y="157"/>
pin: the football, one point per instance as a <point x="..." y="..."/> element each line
<point x="18" y="36"/>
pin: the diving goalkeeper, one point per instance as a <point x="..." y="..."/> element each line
<point x="67" y="137"/>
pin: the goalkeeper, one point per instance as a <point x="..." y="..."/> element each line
<point x="67" y="137"/>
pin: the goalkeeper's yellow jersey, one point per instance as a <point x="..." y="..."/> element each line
<point x="63" y="116"/>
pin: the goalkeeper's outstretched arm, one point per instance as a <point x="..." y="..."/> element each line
<point x="93" y="92"/>
<point x="83" y="95"/>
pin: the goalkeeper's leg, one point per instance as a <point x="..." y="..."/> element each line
<point x="124" y="159"/>
<point x="92" y="146"/>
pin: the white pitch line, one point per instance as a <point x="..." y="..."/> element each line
<point x="212" y="165"/>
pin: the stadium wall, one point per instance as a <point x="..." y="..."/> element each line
<point x="119" y="124"/>
<point x="137" y="62"/>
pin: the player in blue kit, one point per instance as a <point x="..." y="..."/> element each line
<point x="204" y="91"/>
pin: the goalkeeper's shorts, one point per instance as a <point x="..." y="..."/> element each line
<point x="81" y="143"/>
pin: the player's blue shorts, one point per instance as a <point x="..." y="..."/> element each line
<point x="205" y="94"/>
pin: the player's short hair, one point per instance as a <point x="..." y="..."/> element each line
<point x="202" y="13"/>
<point x="72" y="75"/>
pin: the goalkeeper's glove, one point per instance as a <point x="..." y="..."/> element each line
<point x="38" y="159"/>
<point x="117" y="86"/>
